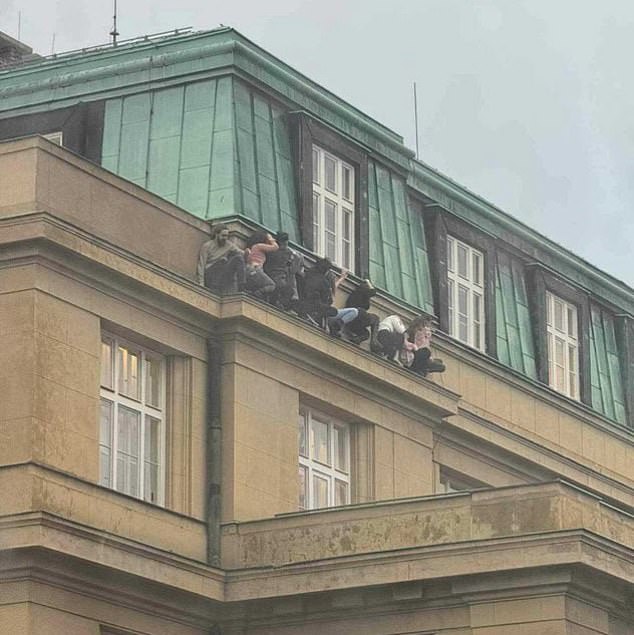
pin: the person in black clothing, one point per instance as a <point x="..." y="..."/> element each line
<point x="283" y="267"/>
<point x="317" y="295"/>
<point x="365" y="325"/>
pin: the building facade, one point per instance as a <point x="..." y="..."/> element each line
<point x="174" y="462"/>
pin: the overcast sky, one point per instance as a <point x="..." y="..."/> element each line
<point x="528" y="103"/>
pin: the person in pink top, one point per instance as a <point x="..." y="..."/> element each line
<point x="258" y="282"/>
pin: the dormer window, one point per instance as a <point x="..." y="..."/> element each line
<point x="333" y="194"/>
<point x="333" y="207"/>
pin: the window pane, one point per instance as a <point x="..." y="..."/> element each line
<point x="477" y="307"/>
<point x="341" y="448"/>
<point x="107" y="367"/>
<point x="303" y="488"/>
<point x="450" y="249"/>
<point x="572" y="372"/>
<point x="477" y="262"/>
<point x="105" y="443"/>
<point x="303" y="448"/>
<point x="319" y="445"/>
<point x="347" y="183"/>
<point x="462" y="261"/>
<point x="560" y="379"/>
<point x="463" y="322"/>
<point x="128" y="372"/>
<point x="572" y="322"/>
<point x="151" y="441"/>
<point x="559" y="315"/>
<point x="128" y="450"/>
<point x="341" y="492"/>
<point x="151" y="453"/>
<point x="331" y="215"/>
<point x="316" y="165"/>
<point x="347" y="217"/>
<point x="331" y="173"/>
<point x="153" y="382"/>
<point x="320" y="491"/>
<point x="316" y="221"/>
<point x="450" y="294"/>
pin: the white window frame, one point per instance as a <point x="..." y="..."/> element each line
<point x="562" y="329"/>
<point x="328" y="469"/>
<point x="110" y="393"/>
<point x="467" y="326"/>
<point x="55" y="137"/>
<point x="337" y="241"/>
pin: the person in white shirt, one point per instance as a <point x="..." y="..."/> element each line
<point x="409" y="346"/>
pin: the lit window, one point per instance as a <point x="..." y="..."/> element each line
<point x="132" y="424"/>
<point x="563" y="346"/>
<point x="465" y="283"/>
<point x="324" y="461"/>
<point x="333" y="208"/>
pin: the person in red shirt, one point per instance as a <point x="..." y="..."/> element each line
<point x="258" y="282"/>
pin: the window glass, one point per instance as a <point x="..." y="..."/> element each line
<point x="331" y="173"/>
<point x="153" y="382"/>
<point x="341" y="448"/>
<point x="105" y="442"/>
<point x="341" y="492"/>
<point x="303" y="448"/>
<point x="320" y="449"/>
<point x="320" y="490"/>
<point x="131" y="446"/>
<point x="346" y="183"/>
<point x="128" y="366"/>
<point x="465" y="290"/>
<point x="128" y="450"/>
<point x="107" y="367"/>
<point x="303" y="487"/>
<point x="462" y="261"/>
<point x="563" y="346"/>
<point x="333" y="209"/>
<point x="324" y="466"/>
<point x="316" y="166"/>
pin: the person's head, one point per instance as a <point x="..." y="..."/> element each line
<point x="419" y="323"/>
<point x="220" y="233"/>
<point x="322" y="265"/>
<point x="282" y="238"/>
<point x="259" y="237"/>
<point x="368" y="287"/>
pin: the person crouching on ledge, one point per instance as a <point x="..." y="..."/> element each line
<point x="259" y="245"/>
<point x="409" y="346"/>
<point x="221" y="266"/>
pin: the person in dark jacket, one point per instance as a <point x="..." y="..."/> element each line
<point x="318" y="289"/>
<point x="284" y="266"/>
<point x="365" y="325"/>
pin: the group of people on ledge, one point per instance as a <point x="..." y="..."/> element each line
<point x="271" y="271"/>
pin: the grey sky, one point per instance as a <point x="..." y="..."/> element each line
<point x="528" y="103"/>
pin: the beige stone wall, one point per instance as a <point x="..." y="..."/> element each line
<point x="542" y="418"/>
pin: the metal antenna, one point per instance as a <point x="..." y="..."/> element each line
<point x="19" y="25"/>
<point x="416" y="118"/>
<point x="53" y="44"/>
<point x="114" y="33"/>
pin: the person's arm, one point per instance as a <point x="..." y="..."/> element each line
<point x="268" y="246"/>
<point x="340" y="279"/>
